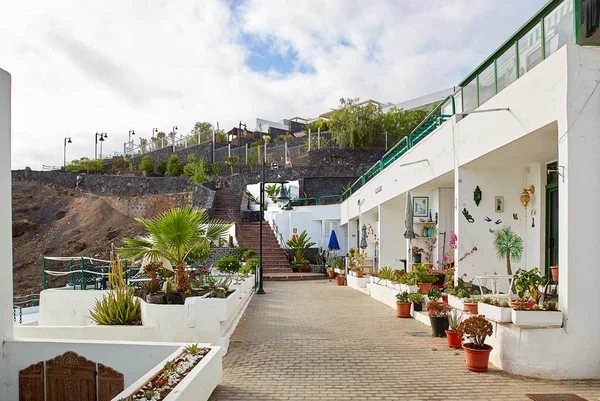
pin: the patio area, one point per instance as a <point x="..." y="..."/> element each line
<point x="315" y="340"/>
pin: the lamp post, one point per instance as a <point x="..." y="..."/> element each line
<point x="173" y="136"/>
<point x="240" y="147"/>
<point x="262" y="216"/>
<point x="129" y="143"/>
<point x="154" y="131"/>
<point x="67" y="140"/>
<point x="283" y="199"/>
<point x="101" y="135"/>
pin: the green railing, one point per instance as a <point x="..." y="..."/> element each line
<point x="323" y="200"/>
<point x="433" y="120"/>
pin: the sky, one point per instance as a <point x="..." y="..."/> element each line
<point x="81" y="67"/>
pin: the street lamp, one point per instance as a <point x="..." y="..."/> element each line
<point x="67" y="140"/>
<point x="131" y="132"/>
<point x="262" y="217"/>
<point x="154" y="131"/>
<point x="101" y="135"/>
<point x="282" y="199"/>
<point x="240" y="147"/>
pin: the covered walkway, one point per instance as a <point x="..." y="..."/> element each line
<point x="314" y="340"/>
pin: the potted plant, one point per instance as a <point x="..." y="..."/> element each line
<point x="508" y="245"/>
<point x="554" y="272"/>
<point x="423" y="278"/>
<point x="403" y="304"/>
<point x="470" y="305"/>
<point x="526" y="284"/>
<point x="438" y="316"/>
<point x="352" y="252"/>
<point x="300" y="245"/>
<point x="417" y="300"/>
<point x="340" y="279"/>
<point x="453" y="335"/>
<point x="416" y="252"/>
<point x="331" y="272"/>
<point x="434" y="294"/>
<point x="477" y="353"/>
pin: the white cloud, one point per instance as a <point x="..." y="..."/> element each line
<point x="111" y="66"/>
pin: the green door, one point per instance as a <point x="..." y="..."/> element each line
<point x="551" y="219"/>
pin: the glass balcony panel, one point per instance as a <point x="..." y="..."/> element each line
<point x="530" y="49"/>
<point x="470" y="96"/>
<point x="558" y="27"/>
<point x="507" y="68"/>
<point x="487" y="84"/>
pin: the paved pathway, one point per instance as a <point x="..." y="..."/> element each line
<point x="316" y="341"/>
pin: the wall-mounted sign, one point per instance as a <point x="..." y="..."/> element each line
<point x="378" y="189"/>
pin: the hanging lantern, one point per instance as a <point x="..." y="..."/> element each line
<point x="477" y="195"/>
<point x="526" y="195"/>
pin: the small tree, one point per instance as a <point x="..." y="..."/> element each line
<point x="174" y="167"/>
<point x="161" y="167"/>
<point x="215" y="168"/>
<point x="251" y="163"/>
<point x="509" y="246"/>
<point x="232" y="160"/>
<point x="200" y="174"/>
<point x="147" y="164"/>
<point x="300" y="245"/>
<point x="188" y="169"/>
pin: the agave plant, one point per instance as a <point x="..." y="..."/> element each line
<point x="175" y="235"/>
<point x="118" y="307"/>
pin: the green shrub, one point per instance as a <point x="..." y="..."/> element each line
<point x="402" y="297"/>
<point x="174" y="167"/>
<point x="251" y="266"/>
<point x="161" y="167"/>
<point x="228" y="264"/>
<point x="200" y="174"/>
<point x="188" y="169"/>
<point x="147" y="164"/>
<point x="118" y="307"/>
<point x="215" y="168"/>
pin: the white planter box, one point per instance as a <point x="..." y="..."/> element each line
<point x="495" y="313"/>
<point x="455" y="302"/>
<point x="196" y="385"/>
<point x="339" y="271"/>
<point x="383" y="294"/>
<point x="411" y="289"/>
<point x="357" y="282"/>
<point x="395" y="286"/>
<point x="537" y="318"/>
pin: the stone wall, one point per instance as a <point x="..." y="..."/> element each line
<point x="218" y="253"/>
<point x="345" y="156"/>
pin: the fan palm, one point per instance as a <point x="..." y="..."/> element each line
<point x="509" y="246"/>
<point x="175" y="235"/>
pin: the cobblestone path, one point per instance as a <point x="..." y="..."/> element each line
<point x="314" y="340"/>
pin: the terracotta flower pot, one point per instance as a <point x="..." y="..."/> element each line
<point x="403" y="309"/>
<point x="528" y="305"/>
<point x="554" y="271"/>
<point x="359" y="274"/>
<point x="477" y="359"/>
<point x="331" y="273"/>
<point x="454" y="339"/>
<point x="471" y="307"/>
<point x="424" y="287"/>
<point x="340" y="280"/>
<point x="445" y="299"/>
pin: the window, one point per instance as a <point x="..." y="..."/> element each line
<point x="470" y="96"/>
<point x="506" y="65"/>
<point x="530" y="49"/>
<point x="558" y="27"/>
<point x="487" y="84"/>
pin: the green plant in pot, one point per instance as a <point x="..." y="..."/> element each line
<point x="438" y="317"/>
<point x="453" y="334"/>
<point x="477" y="353"/>
<point x="403" y="304"/>
<point x="417" y="300"/>
<point x="423" y="278"/>
<point x="434" y="294"/>
<point x="416" y="252"/>
<point x="300" y="245"/>
<point x="526" y="284"/>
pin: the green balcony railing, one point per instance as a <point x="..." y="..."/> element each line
<point x="433" y="120"/>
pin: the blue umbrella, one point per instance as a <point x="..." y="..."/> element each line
<point x="333" y="242"/>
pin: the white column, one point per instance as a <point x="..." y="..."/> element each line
<point x="6" y="279"/>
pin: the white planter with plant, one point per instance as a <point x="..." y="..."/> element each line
<point x="383" y="294"/>
<point x="496" y="311"/>
<point x="456" y="302"/>
<point x="357" y="282"/>
<point x="547" y="316"/>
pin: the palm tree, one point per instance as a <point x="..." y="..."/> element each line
<point x="508" y="246"/>
<point x="175" y="235"/>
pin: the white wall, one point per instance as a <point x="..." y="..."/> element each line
<point x="133" y="359"/>
<point x="392" y="245"/>
<point x="67" y="307"/>
<point x="6" y="287"/>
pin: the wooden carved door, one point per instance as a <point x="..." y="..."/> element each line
<point x="70" y="377"/>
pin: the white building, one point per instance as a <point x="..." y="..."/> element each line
<point x="527" y="116"/>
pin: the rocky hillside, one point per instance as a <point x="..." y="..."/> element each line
<point x="58" y="222"/>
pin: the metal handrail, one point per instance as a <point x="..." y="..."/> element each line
<point x="432" y="121"/>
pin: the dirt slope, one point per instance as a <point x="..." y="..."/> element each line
<point x="57" y="222"/>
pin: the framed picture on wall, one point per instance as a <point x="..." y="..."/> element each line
<point x="499" y="204"/>
<point x="420" y="206"/>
